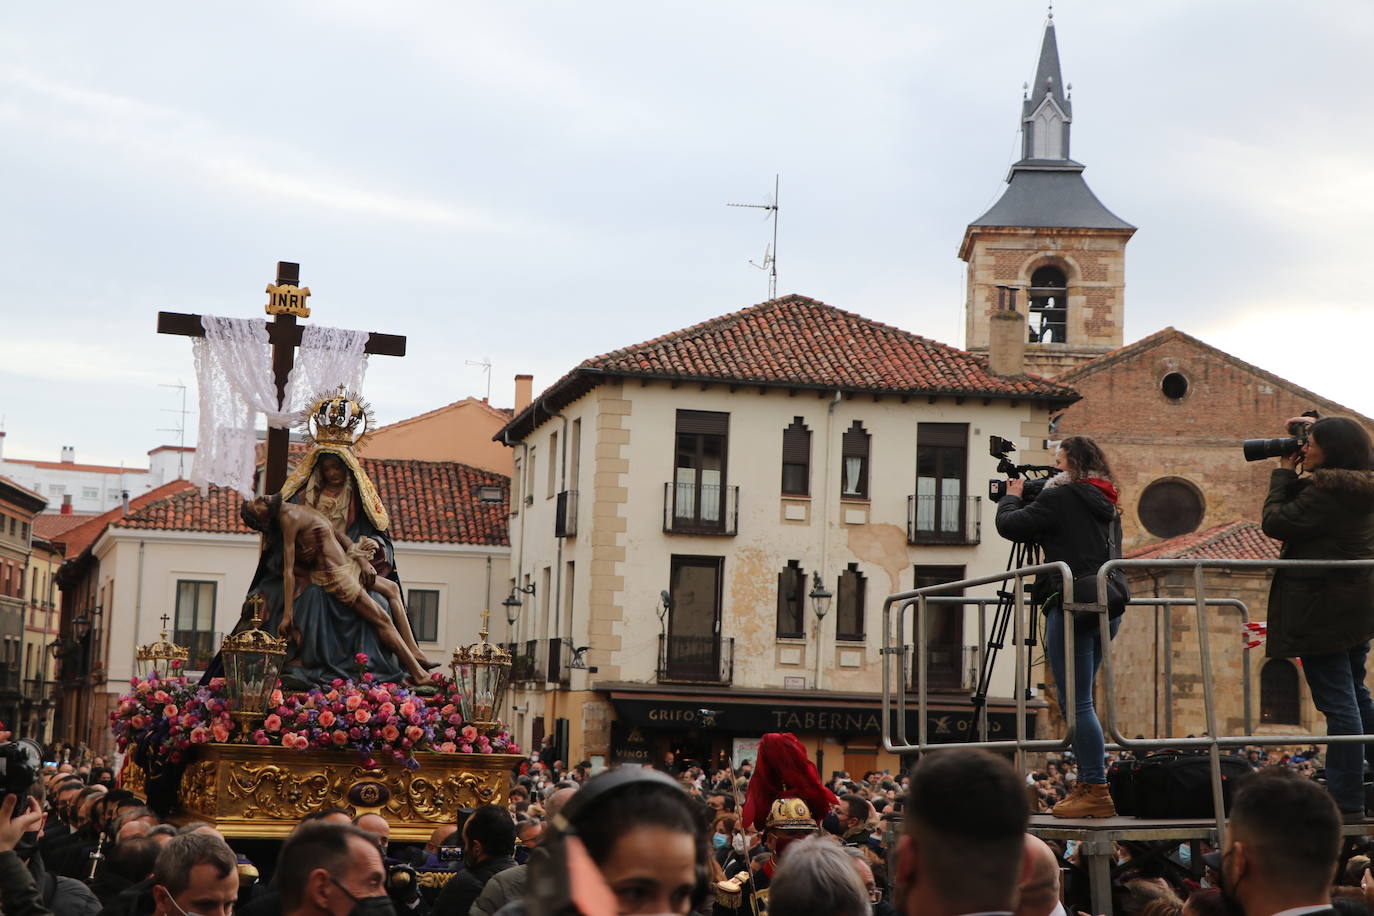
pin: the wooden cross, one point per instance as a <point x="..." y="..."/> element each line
<point x="284" y="335"/>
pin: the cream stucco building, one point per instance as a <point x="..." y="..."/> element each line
<point x="676" y="503"/>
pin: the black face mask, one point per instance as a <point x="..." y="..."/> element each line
<point x="367" y="906"/>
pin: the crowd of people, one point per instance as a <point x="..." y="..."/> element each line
<point x="948" y="837"/>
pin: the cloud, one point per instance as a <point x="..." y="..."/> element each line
<point x="167" y="142"/>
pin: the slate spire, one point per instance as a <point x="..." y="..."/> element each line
<point x="1046" y="112"/>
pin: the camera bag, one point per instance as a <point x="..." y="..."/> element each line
<point x="1172" y="784"/>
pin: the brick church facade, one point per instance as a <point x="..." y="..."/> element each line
<point x="1169" y="410"/>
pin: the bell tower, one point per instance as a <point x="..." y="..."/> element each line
<point x="1049" y="238"/>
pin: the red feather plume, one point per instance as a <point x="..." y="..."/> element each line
<point x="783" y="769"/>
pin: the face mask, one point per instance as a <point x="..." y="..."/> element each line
<point x="177" y="905"/>
<point x="739" y="842"/>
<point x="720" y="841"/>
<point x="367" y="906"/>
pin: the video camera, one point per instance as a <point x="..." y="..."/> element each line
<point x="1260" y="449"/>
<point x="20" y="762"/>
<point x="1000" y="448"/>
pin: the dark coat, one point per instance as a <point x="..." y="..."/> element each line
<point x="1327" y="516"/>
<point x="463" y="889"/>
<point x="1071" y="522"/>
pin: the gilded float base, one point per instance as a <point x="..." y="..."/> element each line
<point x="263" y="792"/>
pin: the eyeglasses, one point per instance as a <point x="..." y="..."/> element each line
<point x="875" y="894"/>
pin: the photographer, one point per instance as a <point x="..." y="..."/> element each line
<point x="1326" y="616"/>
<point x="1075" y="519"/>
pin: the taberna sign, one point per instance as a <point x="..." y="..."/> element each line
<point x="942" y="724"/>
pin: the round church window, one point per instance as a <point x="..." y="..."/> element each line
<point x="1174" y="385"/>
<point x="1170" y="507"/>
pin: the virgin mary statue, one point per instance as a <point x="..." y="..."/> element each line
<point x="325" y="628"/>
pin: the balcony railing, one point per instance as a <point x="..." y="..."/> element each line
<point x="696" y="659"/>
<point x="522" y="663"/>
<point x="565" y="521"/>
<point x="934" y="519"/>
<point x="713" y="510"/>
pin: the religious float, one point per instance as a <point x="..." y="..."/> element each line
<point x="320" y="697"/>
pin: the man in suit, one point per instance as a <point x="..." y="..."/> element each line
<point x="1281" y="851"/>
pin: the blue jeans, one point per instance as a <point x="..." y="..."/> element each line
<point x="1089" y="748"/>
<point x="1339" y="693"/>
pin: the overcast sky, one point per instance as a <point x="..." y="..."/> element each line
<point x="539" y="183"/>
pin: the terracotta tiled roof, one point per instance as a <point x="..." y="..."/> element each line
<point x="1239" y="540"/>
<point x="70" y="466"/>
<point x="23" y="489"/>
<point x="75" y="540"/>
<point x="796" y="342"/>
<point x="427" y="501"/>
<point x="50" y="526"/>
<point x="501" y="413"/>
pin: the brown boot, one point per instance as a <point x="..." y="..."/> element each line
<point x="1086" y="800"/>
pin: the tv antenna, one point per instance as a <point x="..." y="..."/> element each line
<point x="770" y="253"/>
<point x="179" y="429"/>
<point x="485" y="365"/>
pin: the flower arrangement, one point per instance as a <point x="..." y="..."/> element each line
<point x="374" y="719"/>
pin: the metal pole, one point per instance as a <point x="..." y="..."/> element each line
<point x="1209" y="700"/>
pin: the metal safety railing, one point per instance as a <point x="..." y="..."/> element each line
<point x="895" y="695"/>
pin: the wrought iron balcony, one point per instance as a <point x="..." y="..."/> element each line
<point x="695" y="659"/>
<point x="944" y="519"/>
<point x="690" y="508"/>
<point x="522" y="664"/>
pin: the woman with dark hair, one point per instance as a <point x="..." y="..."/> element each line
<point x="1325" y="617"/>
<point x="1074" y="519"/>
<point x="644" y="837"/>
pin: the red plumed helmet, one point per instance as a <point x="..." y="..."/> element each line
<point x="782" y="774"/>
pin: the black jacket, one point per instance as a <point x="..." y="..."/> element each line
<point x="1072" y="522"/>
<point x="1329" y="516"/>
<point x="463" y="889"/>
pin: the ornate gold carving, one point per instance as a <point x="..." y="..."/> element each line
<point x="133" y="778"/>
<point x="198" y="788"/>
<point x="252" y="791"/>
<point x="434" y="878"/>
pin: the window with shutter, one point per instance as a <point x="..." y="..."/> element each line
<point x="796" y="459"/>
<point x="941" y="462"/>
<point x="791" y="600"/>
<point x="854" y="462"/>
<point x="849" y="603"/>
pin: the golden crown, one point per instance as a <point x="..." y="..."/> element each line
<point x="338" y="418"/>
<point x="789" y="813"/>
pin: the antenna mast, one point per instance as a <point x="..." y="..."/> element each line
<point x="485" y="365"/>
<point x="770" y="253"/>
<point x="179" y="429"/>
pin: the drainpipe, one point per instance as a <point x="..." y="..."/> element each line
<point x="520" y="551"/>
<point x="827" y="494"/>
<point x="557" y="596"/>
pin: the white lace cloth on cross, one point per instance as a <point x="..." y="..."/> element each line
<point x="234" y="377"/>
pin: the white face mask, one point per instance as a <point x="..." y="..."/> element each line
<point x="738" y="842"/>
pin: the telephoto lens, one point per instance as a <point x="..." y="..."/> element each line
<point x="1260" y="449"/>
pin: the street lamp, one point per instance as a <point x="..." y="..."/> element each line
<point x="820" y="597"/>
<point x="81" y="626"/>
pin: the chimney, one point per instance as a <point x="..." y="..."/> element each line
<point x="66" y="504"/>
<point x="68" y="454"/>
<point x="2" y="445"/>
<point x="1007" y="336"/>
<point x="124" y="501"/>
<point x="524" y="392"/>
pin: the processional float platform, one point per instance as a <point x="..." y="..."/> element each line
<point x="262" y="792"/>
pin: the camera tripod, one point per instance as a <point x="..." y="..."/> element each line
<point x="1023" y="553"/>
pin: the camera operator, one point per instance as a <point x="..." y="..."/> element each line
<point x="1075" y="519"/>
<point x="1325" y="617"/>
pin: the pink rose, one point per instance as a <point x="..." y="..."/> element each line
<point x="288" y="739"/>
<point x="390" y="733"/>
<point x="199" y="735"/>
<point x="138" y="722"/>
<point x="339" y="737"/>
<point x="361" y="658"/>
<point x="386" y="710"/>
<point x="326" y="719"/>
<point x="353" y="702"/>
<point x="361" y="716"/>
<point x="272" y="723"/>
<point x="407" y="708"/>
<point x="276" y="699"/>
<point x="302" y="742"/>
<point x="465" y="748"/>
<point x="448" y="747"/>
<point x="415" y="733"/>
<point x="368" y="677"/>
<point x="469" y="733"/>
<point x="220" y="731"/>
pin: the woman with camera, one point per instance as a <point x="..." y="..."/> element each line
<point x="1074" y="519"/>
<point x="1325" y="617"/>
